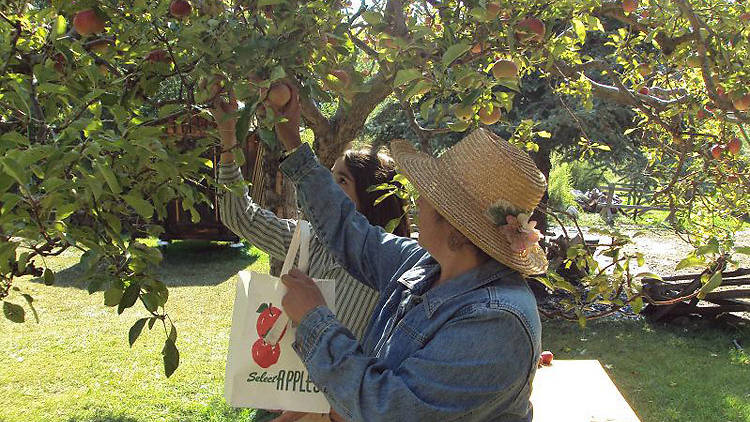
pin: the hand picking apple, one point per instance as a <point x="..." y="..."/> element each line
<point x="285" y="105"/>
<point x="302" y="295"/>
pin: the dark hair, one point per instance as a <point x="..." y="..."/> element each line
<point x="368" y="168"/>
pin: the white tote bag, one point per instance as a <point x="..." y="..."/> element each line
<point x="263" y="371"/>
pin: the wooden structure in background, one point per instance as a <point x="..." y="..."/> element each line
<point x="178" y="224"/>
<point x="732" y="295"/>
<point x="637" y="199"/>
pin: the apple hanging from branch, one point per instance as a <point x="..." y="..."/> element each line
<point x="87" y="22"/>
<point x="505" y="69"/>
<point x="180" y="8"/>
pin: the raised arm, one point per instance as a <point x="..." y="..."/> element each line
<point x="237" y="210"/>
<point x="367" y="252"/>
<point x="248" y="220"/>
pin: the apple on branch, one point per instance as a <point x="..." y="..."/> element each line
<point x="505" y="69"/>
<point x="279" y="94"/>
<point x="489" y="114"/>
<point x="629" y="6"/>
<point x="734" y="146"/>
<point x="530" y="30"/>
<point x="180" y="8"/>
<point x="87" y="22"/>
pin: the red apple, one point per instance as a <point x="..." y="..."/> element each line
<point x="745" y="17"/>
<point x="87" y="22"/>
<point x="716" y="151"/>
<point x="264" y="354"/>
<point x="504" y="69"/>
<point x="492" y="11"/>
<point x="60" y="62"/>
<point x="741" y="102"/>
<point x="180" y="8"/>
<point x="629" y="6"/>
<point x="530" y="30"/>
<point x="158" y="56"/>
<point x="644" y="90"/>
<point x="100" y="46"/>
<point x="266" y="319"/>
<point x="342" y="76"/>
<point x="279" y="95"/>
<point x="546" y="357"/>
<point x="489" y="114"/>
<point x="734" y="146"/>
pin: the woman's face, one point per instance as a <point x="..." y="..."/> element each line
<point x="344" y="178"/>
<point x="432" y="230"/>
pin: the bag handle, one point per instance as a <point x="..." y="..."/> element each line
<point x="300" y="242"/>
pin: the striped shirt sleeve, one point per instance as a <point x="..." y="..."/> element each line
<point x="248" y="220"/>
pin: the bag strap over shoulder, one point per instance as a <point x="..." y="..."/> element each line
<point x="300" y="242"/>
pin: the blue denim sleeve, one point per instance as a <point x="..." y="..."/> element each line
<point x="454" y="374"/>
<point x="367" y="252"/>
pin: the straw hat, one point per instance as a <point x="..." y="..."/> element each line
<point x="486" y="188"/>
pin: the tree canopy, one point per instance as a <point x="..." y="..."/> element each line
<point x="88" y="88"/>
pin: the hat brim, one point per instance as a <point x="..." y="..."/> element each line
<point x="446" y="193"/>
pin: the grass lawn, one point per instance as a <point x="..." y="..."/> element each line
<point x="75" y="365"/>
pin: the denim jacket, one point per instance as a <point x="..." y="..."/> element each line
<point x="465" y="350"/>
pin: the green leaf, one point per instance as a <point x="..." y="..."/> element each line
<point x="171" y="357"/>
<point x="392" y="224"/>
<point x="262" y="307"/>
<point x="637" y="305"/>
<point x="648" y="275"/>
<point x="136" y="329"/>
<point x="109" y="177"/>
<point x="383" y="197"/>
<point x="14" y="170"/>
<point x="404" y="76"/>
<point x="371" y="17"/>
<point x="61" y="25"/>
<point x="713" y="282"/>
<point x="14" y="312"/>
<point x="745" y="250"/>
<point x="112" y="296"/>
<point x="141" y="206"/>
<point x="243" y="125"/>
<point x="453" y="52"/>
<point x="580" y="29"/>
<point x="129" y="296"/>
<point x="151" y="322"/>
<point x="49" y="277"/>
<point x="690" y="262"/>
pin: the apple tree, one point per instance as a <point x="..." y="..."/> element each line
<point x="89" y="88"/>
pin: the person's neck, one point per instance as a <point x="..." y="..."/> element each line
<point x="455" y="263"/>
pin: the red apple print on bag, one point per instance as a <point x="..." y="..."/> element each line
<point x="268" y="316"/>
<point x="264" y="354"/>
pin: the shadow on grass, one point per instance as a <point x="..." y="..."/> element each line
<point x="186" y="263"/>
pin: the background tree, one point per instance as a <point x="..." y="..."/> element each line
<point x="88" y="87"/>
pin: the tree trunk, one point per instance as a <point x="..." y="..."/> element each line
<point x="543" y="162"/>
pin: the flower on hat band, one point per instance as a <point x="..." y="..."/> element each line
<point x="520" y="232"/>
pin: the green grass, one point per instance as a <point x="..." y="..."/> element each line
<point x="665" y="372"/>
<point x="75" y="365"/>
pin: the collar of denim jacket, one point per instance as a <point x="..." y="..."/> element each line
<point x="466" y="282"/>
